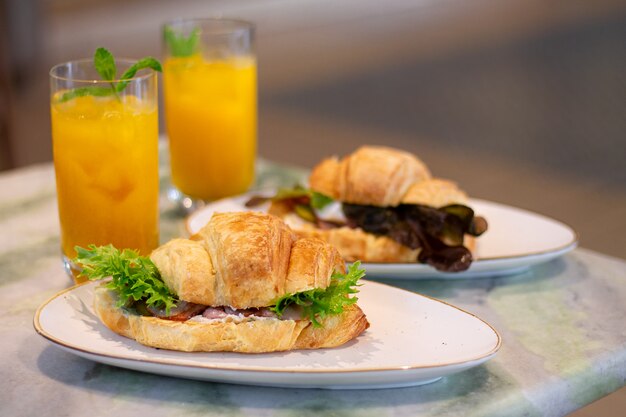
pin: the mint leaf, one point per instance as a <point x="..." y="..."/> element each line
<point x="181" y="45"/>
<point x="319" y="303"/>
<point x="133" y="277"/>
<point x="148" y="62"/>
<point x="105" y="64"/>
<point x="85" y="91"/>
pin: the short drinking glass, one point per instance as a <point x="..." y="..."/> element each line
<point x="105" y="158"/>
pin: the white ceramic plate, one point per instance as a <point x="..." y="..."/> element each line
<point x="412" y="340"/>
<point x="516" y="240"/>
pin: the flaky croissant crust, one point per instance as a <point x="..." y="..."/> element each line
<point x="245" y="260"/>
<point x="382" y="176"/>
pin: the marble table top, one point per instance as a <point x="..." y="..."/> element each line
<point x="562" y="323"/>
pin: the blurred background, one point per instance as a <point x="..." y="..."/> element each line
<point x="520" y="101"/>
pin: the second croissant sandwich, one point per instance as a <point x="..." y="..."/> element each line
<point x="243" y="283"/>
<point x="392" y="210"/>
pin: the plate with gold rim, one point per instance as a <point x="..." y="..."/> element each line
<point x="412" y="340"/>
<point x="516" y="240"/>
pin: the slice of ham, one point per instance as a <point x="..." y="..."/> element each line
<point x="293" y="312"/>
<point x="258" y="312"/>
<point x="214" y="313"/>
<point x="182" y="312"/>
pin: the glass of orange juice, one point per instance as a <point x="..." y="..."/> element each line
<point x="105" y="150"/>
<point x="210" y="85"/>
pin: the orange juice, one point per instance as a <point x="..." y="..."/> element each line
<point x="106" y="164"/>
<point x="211" y="113"/>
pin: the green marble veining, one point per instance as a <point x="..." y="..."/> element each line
<point x="22" y="262"/>
<point x="171" y="224"/>
<point x="320" y="405"/>
<point x="543" y="314"/>
<point x="29" y="303"/>
<point x="273" y="175"/>
<point x="569" y="348"/>
<point x="10" y="208"/>
<point x="588" y="385"/>
<point x="485" y="391"/>
<point x="173" y="397"/>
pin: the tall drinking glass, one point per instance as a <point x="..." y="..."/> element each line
<point x="210" y="84"/>
<point x="105" y="158"/>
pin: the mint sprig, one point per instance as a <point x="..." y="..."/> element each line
<point x="143" y="63"/>
<point x="180" y="45"/>
<point x="133" y="277"/>
<point x="321" y="302"/>
<point x="104" y="62"/>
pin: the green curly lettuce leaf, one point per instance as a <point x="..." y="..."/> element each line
<point x="321" y="302"/>
<point x="133" y="277"/>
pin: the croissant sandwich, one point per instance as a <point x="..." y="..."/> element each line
<point x="243" y="283"/>
<point x="391" y="210"/>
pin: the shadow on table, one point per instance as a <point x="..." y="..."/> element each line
<point x="450" y="289"/>
<point x="135" y="388"/>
